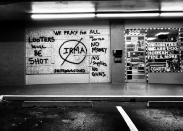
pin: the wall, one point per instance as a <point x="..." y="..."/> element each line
<point x="12" y="48"/>
<point x="117" y="43"/>
<point x="11" y="53"/>
<point x="168" y="78"/>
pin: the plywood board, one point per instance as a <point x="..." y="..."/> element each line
<point x="67" y="51"/>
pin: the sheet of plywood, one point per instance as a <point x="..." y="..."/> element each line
<point x="78" y="53"/>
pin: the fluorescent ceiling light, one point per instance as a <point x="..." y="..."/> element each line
<point x="172" y="5"/>
<point x="62" y="7"/>
<point x="126" y="15"/>
<point x="61" y="16"/>
<point x="172" y="14"/>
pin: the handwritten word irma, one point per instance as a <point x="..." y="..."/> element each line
<point x="41" y="39"/>
<point x="76" y="50"/>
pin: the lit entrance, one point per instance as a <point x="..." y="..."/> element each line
<point x="135" y="55"/>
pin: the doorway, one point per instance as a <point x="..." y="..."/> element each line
<point x="135" y="52"/>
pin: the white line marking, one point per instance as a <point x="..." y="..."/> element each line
<point x="127" y="119"/>
<point x="1" y="98"/>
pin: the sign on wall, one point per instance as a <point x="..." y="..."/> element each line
<point x="63" y="51"/>
<point x="163" y="50"/>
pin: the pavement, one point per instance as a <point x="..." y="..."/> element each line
<point x="93" y="107"/>
<point x="60" y="118"/>
<point x="154" y="118"/>
<point x="98" y="116"/>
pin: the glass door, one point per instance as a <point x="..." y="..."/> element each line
<point x="135" y="56"/>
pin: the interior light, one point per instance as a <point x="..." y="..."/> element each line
<point x="172" y="14"/>
<point x="151" y="38"/>
<point x="162" y="33"/>
<point x="61" y="16"/>
<point x="126" y="15"/>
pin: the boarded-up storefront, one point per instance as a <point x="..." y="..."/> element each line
<point x="77" y="54"/>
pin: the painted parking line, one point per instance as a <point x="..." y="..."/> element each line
<point x="127" y="119"/>
<point x="1" y="98"/>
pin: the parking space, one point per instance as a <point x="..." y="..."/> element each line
<point x="88" y="115"/>
<point x="155" y="118"/>
<point x="14" y="117"/>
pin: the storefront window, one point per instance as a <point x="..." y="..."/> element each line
<point x="152" y="51"/>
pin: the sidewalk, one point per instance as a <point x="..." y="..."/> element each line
<point x="103" y="89"/>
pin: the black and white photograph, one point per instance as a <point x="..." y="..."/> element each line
<point x="91" y="65"/>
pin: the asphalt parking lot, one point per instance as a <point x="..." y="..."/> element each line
<point x="155" y="118"/>
<point x="61" y="118"/>
<point x="96" y="116"/>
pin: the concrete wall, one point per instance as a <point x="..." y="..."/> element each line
<point x="168" y="78"/>
<point x="117" y="43"/>
<point x="11" y="53"/>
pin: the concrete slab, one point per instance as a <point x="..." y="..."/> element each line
<point x="100" y="89"/>
<point x="57" y="103"/>
<point x="61" y="119"/>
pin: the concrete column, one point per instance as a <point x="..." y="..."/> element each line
<point x="117" y="43"/>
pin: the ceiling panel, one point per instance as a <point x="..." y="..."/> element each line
<point x="172" y="5"/>
<point x="127" y="6"/>
<point x="62" y="7"/>
<point x="14" y="11"/>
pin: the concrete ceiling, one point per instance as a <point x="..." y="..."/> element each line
<point x="20" y="9"/>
